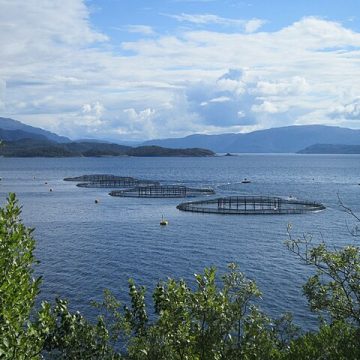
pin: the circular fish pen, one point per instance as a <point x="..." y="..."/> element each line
<point x="118" y="183"/>
<point x="162" y="191"/>
<point x="251" y="205"/>
<point x="96" y="177"/>
<point x="109" y="181"/>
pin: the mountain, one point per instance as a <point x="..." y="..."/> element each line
<point x="331" y="149"/>
<point x="14" y="135"/>
<point x="29" y="132"/>
<point x="131" y="143"/>
<point x="290" y="139"/>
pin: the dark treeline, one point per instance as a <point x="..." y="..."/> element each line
<point x="46" y="148"/>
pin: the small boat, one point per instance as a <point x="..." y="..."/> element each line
<point x="163" y="221"/>
<point x="245" y="181"/>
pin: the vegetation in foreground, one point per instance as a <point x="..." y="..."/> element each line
<point x="215" y="320"/>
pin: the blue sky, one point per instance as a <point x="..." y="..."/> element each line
<point x="110" y="14"/>
<point x="133" y="70"/>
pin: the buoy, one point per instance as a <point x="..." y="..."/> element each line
<point x="45" y="182"/>
<point x="96" y="201"/>
<point x="50" y="189"/>
<point x="163" y="221"/>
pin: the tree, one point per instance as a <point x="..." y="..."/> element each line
<point x="333" y="292"/>
<point x="20" y="338"/>
<point x="214" y="320"/>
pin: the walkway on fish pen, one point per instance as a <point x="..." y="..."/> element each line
<point x="118" y="183"/>
<point x="162" y="191"/>
<point x="251" y="205"/>
<point x="96" y="177"/>
<point x="110" y="181"/>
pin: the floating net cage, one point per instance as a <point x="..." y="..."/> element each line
<point x="96" y="177"/>
<point x="162" y="191"/>
<point x="110" y="181"/>
<point x="118" y="183"/>
<point x="252" y="205"/>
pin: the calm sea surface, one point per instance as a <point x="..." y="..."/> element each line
<point x="85" y="247"/>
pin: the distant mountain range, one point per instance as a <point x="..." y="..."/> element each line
<point x="290" y="139"/>
<point x="20" y="140"/>
<point x="25" y="140"/>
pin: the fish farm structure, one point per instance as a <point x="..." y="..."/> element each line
<point x="251" y="205"/>
<point x="118" y="183"/>
<point x="162" y="191"/>
<point x="109" y="181"/>
<point x="95" y="177"/>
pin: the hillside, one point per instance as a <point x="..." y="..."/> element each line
<point x="16" y="127"/>
<point x="331" y="149"/>
<point x="14" y="135"/>
<point x="46" y="148"/>
<point x="290" y="139"/>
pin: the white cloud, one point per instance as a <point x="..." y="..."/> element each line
<point x="138" y="29"/>
<point x="235" y="86"/>
<point x="206" y="19"/>
<point x="220" y="99"/>
<point x="350" y="111"/>
<point x="294" y="86"/>
<point x="139" y="121"/>
<point x="95" y="109"/>
<point x="269" y="107"/>
<point x="203" y="19"/>
<point x="2" y="93"/>
<point x="241" y="114"/>
<point x="62" y="74"/>
<point x="254" y="25"/>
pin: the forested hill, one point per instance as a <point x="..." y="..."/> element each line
<point x="46" y="148"/>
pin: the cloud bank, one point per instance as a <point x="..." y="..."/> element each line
<point x="60" y="73"/>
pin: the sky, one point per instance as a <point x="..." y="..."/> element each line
<point x="144" y="69"/>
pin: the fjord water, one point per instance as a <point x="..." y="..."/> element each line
<point x="85" y="247"/>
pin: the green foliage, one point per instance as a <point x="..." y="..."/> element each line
<point x="334" y="291"/>
<point x="73" y="337"/>
<point x="338" y="341"/>
<point x="19" y="338"/>
<point x="215" y="320"/>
